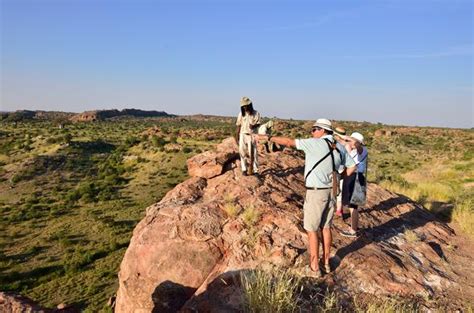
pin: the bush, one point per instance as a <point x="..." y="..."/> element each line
<point x="158" y="141"/>
<point x="132" y="141"/>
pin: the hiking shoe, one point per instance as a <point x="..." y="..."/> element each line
<point x="349" y="233"/>
<point x="308" y="272"/>
<point x="326" y="267"/>
<point x="244" y="173"/>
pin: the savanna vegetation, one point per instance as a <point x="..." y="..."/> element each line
<point x="71" y="193"/>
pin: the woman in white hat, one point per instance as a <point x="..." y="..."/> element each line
<point x="359" y="154"/>
<point x="248" y="122"/>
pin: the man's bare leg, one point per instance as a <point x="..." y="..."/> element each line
<point x="327" y="240"/>
<point x="313" y="250"/>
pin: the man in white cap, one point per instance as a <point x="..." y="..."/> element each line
<point x="323" y="156"/>
<point x="248" y="122"/>
<point x="359" y="154"/>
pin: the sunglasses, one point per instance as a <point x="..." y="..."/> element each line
<point x="315" y="129"/>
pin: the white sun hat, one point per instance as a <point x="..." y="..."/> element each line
<point x="358" y="136"/>
<point x="323" y="123"/>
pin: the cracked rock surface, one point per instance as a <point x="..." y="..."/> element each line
<point x="190" y="247"/>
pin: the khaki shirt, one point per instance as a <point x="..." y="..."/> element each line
<point x="247" y="122"/>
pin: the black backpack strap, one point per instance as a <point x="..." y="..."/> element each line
<point x="331" y="148"/>
<point x="324" y="157"/>
<point x="317" y="163"/>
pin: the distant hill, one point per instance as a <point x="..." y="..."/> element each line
<point x="21" y="115"/>
<point x="87" y="116"/>
<point x="99" y="115"/>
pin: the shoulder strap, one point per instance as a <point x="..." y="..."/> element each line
<point x="331" y="148"/>
<point x="335" y="185"/>
<point x="317" y="163"/>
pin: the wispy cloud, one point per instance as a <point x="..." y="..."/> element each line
<point x="462" y="50"/>
<point x="311" y="24"/>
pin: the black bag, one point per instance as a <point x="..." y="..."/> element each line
<point x="359" y="194"/>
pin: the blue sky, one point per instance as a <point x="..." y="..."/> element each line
<point x="398" y="62"/>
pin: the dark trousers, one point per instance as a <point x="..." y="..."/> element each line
<point x="348" y="188"/>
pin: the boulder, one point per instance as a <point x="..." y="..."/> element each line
<point x="15" y="303"/>
<point x="189" y="250"/>
<point x="211" y="163"/>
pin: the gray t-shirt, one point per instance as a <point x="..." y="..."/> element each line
<point x="315" y="149"/>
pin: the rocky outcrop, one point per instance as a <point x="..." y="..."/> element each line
<point x="212" y="163"/>
<point x="384" y="132"/>
<point x="24" y="115"/>
<point x="91" y="116"/>
<point x="191" y="246"/>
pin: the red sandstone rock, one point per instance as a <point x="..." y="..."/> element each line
<point x="187" y="253"/>
<point x="211" y="163"/>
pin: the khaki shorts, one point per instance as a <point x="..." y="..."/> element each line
<point x="318" y="209"/>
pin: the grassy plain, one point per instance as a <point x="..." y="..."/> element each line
<point x="71" y="196"/>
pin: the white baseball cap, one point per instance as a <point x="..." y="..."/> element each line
<point x="358" y="136"/>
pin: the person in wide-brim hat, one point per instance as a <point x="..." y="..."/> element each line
<point x="248" y="122"/>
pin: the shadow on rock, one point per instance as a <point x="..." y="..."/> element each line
<point x="169" y="297"/>
<point x="416" y="218"/>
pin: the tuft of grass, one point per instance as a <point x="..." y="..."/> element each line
<point x="265" y="291"/>
<point x="330" y="303"/>
<point x="411" y="236"/>
<point x="232" y="209"/>
<point x="250" y="240"/>
<point x="251" y="215"/>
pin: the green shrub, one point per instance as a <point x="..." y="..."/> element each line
<point x="158" y="141"/>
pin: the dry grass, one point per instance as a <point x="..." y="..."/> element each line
<point x="443" y="188"/>
<point x="230" y="207"/>
<point x="411" y="236"/>
<point x="385" y="305"/>
<point x="463" y="214"/>
<point x="275" y="292"/>
<point x="251" y="215"/>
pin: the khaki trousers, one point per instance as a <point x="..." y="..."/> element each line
<point x="245" y="146"/>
